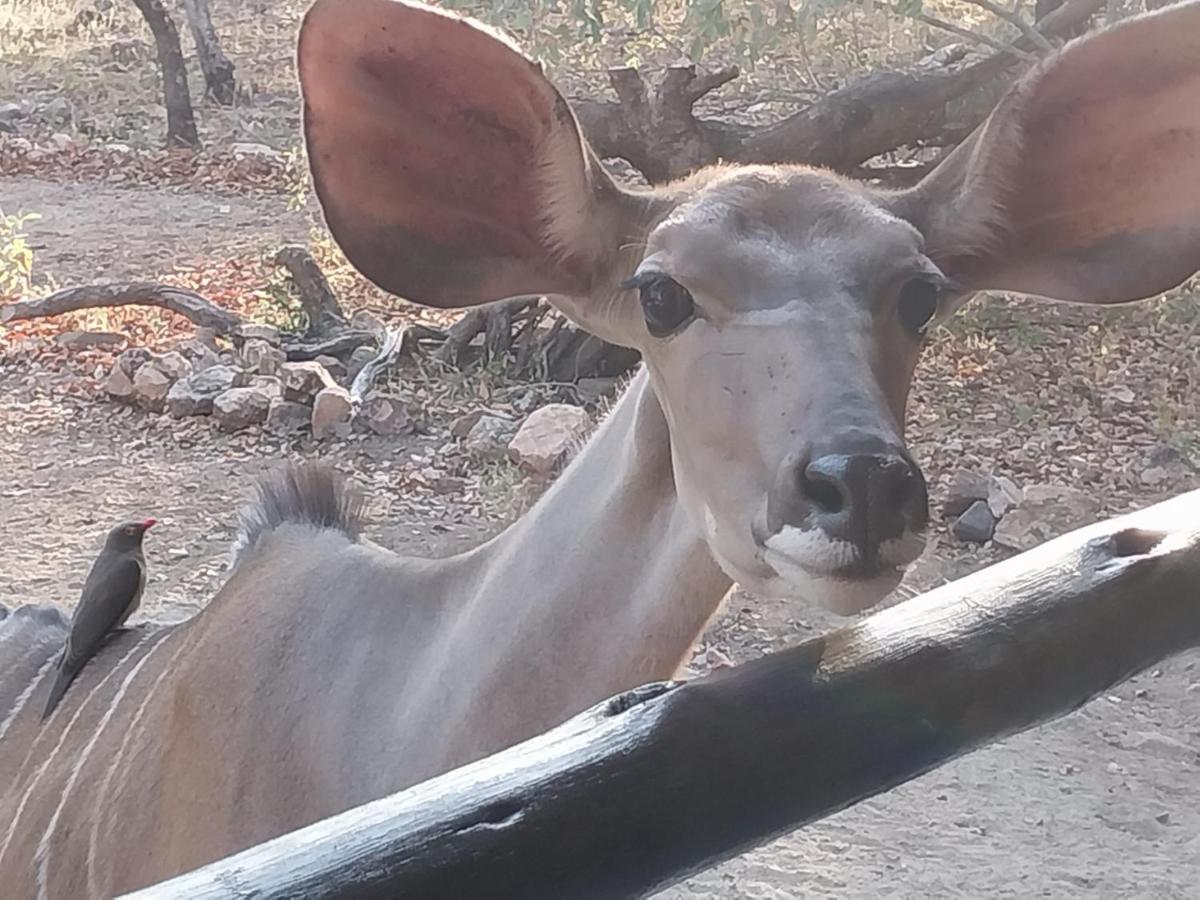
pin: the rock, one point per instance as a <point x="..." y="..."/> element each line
<point x="60" y="141"/>
<point x="546" y="436"/>
<point x="976" y="525"/>
<point x="331" y="412"/>
<point x="194" y="395"/>
<point x="19" y="145"/>
<point x="241" y="407"/>
<point x="119" y="384"/>
<point x="1162" y="455"/>
<point x="173" y="364"/>
<point x="11" y="112"/>
<point x="150" y="387"/>
<point x="1046" y="511"/>
<point x="448" y="484"/>
<point x="260" y="356"/>
<point x="462" y="426"/>
<point x="198" y="353"/>
<point x="966" y="487"/>
<point x="254" y="331"/>
<point x="385" y="414"/>
<point x="332" y="365"/>
<point x="270" y="384"/>
<point x="118" y="148"/>
<point x="260" y="151"/>
<point x="359" y="358"/>
<point x="133" y="359"/>
<point x="287" y="417"/>
<point x="1153" y="476"/>
<point x="488" y="438"/>
<point x="367" y="321"/>
<point x="303" y="380"/>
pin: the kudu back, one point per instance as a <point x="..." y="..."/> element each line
<point x="780" y="312"/>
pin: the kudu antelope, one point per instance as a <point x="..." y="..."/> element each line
<point x="780" y="311"/>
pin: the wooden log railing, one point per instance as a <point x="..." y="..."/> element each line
<point x="668" y="779"/>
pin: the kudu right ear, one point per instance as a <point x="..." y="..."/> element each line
<point x="1084" y="183"/>
<point x="450" y="171"/>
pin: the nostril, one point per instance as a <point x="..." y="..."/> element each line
<point x="822" y="490"/>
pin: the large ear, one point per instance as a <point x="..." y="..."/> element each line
<point x="1084" y="183"/>
<point x="450" y="171"/>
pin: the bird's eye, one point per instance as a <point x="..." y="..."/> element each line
<point x="131" y="531"/>
<point x="666" y="304"/>
<point x="918" y="305"/>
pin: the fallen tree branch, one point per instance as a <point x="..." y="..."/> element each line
<point x="317" y="300"/>
<point x="668" y="779"/>
<point x="298" y="350"/>
<point x="127" y="293"/>
<point x="392" y="345"/>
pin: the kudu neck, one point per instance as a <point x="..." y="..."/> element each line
<point x="607" y="567"/>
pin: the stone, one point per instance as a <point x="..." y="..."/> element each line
<point x="546" y="436"/>
<point x="488" y="438"/>
<point x="256" y="331"/>
<point x="331" y="412"/>
<point x="198" y="353"/>
<point x="173" y="364"/>
<point x="448" y="484"/>
<point x="60" y="141"/>
<point x="272" y="385"/>
<point x="11" y="112"/>
<point x="133" y="359"/>
<point x="287" y="417"/>
<point x="241" y="407"/>
<point x="332" y="365"/>
<point x="1046" y="511"/>
<point x="359" y="358"/>
<point x="976" y="525"/>
<point x="303" y="380"/>
<point x="262" y="357"/>
<point x="1000" y="493"/>
<point x="119" y="384"/>
<point x="87" y="340"/>
<point x="194" y="395"/>
<point x="385" y="414"/>
<point x="150" y="387"/>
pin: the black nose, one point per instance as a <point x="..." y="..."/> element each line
<point x="864" y="498"/>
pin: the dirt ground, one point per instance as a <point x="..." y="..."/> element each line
<point x="1105" y="803"/>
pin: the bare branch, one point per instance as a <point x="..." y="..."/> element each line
<point x="1035" y="37"/>
<point x="128" y="293"/>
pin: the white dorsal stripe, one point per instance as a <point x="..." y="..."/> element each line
<point x="24" y="696"/>
<point x="98" y="808"/>
<point x="62" y="739"/>
<point x="42" y="855"/>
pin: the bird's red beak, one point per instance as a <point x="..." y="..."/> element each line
<point x="148" y="523"/>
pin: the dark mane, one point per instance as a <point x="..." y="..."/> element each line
<point x="307" y="494"/>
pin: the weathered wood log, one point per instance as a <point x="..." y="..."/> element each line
<point x="127" y="293"/>
<point x="317" y="300"/>
<point x="391" y="347"/>
<point x="657" y="132"/>
<point x="668" y="779"/>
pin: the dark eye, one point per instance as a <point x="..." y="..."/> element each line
<point x="666" y="304"/>
<point x="918" y="305"/>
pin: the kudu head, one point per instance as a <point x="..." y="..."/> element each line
<point x="780" y="310"/>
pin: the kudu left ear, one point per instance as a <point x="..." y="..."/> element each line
<point x="450" y="170"/>
<point x="1084" y="183"/>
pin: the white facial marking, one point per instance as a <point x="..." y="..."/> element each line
<point x="810" y="548"/>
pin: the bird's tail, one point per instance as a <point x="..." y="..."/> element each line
<point x="62" y="680"/>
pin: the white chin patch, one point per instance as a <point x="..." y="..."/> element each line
<point x="805" y="562"/>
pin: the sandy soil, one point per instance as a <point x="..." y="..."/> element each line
<point x="1105" y="803"/>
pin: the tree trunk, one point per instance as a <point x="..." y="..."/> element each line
<point x="181" y="123"/>
<point x="669" y="779"/>
<point x="218" y="70"/>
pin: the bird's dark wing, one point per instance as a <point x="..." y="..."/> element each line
<point x="111" y="587"/>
